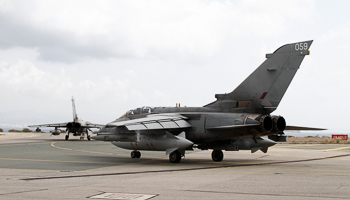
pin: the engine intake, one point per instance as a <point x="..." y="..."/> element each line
<point x="72" y="124"/>
<point x="77" y="125"/>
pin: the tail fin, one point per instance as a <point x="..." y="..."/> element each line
<point x="265" y="87"/>
<point x="75" y="115"/>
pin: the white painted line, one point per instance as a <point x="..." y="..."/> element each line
<point x="123" y="196"/>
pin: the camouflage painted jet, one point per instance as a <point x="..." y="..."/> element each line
<point x="78" y="126"/>
<point x="239" y="120"/>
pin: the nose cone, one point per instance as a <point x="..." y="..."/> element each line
<point x="183" y="143"/>
<point x="97" y="137"/>
<point x="265" y="142"/>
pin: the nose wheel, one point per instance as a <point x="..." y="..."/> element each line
<point x="135" y="154"/>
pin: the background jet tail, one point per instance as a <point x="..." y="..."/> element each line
<point x="75" y="116"/>
<point x="265" y="87"/>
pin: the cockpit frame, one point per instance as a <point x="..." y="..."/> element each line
<point x="140" y="110"/>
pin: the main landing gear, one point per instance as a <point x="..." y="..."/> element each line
<point x="135" y="154"/>
<point x="175" y="157"/>
<point x="217" y="155"/>
<point x="81" y="137"/>
<point x="87" y="135"/>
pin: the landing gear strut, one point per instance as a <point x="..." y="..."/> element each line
<point x="217" y="155"/>
<point x="82" y="135"/>
<point x="135" y="154"/>
<point x="175" y="157"/>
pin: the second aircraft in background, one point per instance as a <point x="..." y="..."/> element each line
<point x="78" y="126"/>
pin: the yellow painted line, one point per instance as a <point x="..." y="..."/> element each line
<point x="247" y="173"/>
<point x="15" y="138"/>
<point x="301" y="149"/>
<point x="21" y="144"/>
<point x="53" y="145"/>
<point x="58" y="161"/>
<point x="336" y="149"/>
<point x="296" y="145"/>
<point x="28" y="170"/>
<point x="336" y="168"/>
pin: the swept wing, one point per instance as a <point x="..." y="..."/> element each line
<point x="66" y="124"/>
<point x="154" y="122"/>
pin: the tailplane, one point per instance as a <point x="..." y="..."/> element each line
<point x="265" y="87"/>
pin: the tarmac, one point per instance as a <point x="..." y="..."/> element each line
<point x="40" y="166"/>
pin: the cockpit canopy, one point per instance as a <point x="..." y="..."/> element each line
<point x="136" y="111"/>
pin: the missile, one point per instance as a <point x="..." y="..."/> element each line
<point x="167" y="142"/>
<point x="56" y="132"/>
<point x="254" y="144"/>
<point x="117" y="137"/>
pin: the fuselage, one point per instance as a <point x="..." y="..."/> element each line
<point x="208" y="125"/>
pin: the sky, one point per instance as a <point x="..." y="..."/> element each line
<point x="113" y="56"/>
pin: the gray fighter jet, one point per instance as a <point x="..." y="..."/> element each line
<point x="239" y="120"/>
<point x="78" y="126"/>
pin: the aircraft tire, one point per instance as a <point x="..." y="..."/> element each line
<point x="67" y="137"/>
<point x="138" y="154"/>
<point x="175" y="157"/>
<point x="133" y="154"/>
<point x="88" y="137"/>
<point x="217" y="155"/>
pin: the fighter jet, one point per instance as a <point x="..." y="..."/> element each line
<point x="78" y="126"/>
<point x="239" y="120"/>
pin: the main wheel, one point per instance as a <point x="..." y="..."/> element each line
<point x="88" y="137"/>
<point x="175" y="157"/>
<point x="217" y="155"/>
<point x="138" y="154"/>
<point x="67" y="137"/>
<point x="133" y="154"/>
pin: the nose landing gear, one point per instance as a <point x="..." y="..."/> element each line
<point x="135" y="154"/>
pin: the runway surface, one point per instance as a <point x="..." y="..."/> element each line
<point x="39" y="166"/>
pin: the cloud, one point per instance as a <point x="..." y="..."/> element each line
<point x="69" y="31"/>
<point x="116" y="55"/>
<point x="23" y="78"/>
